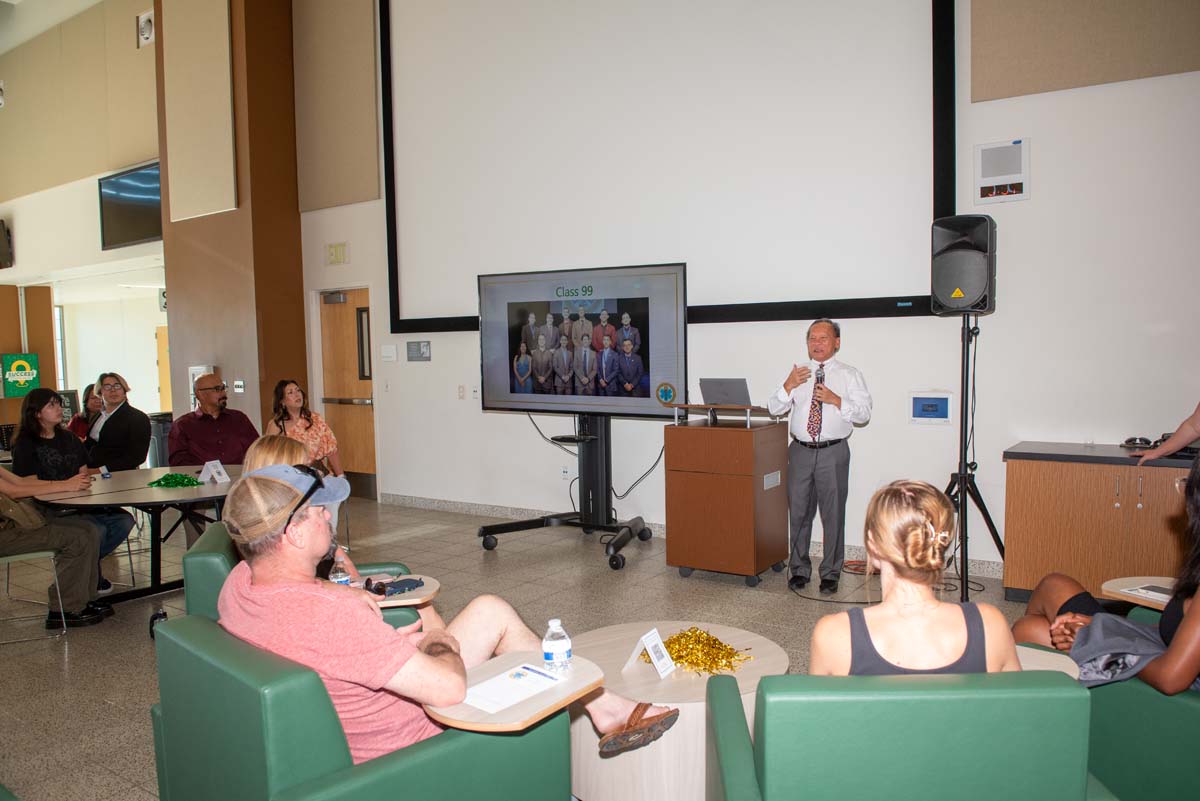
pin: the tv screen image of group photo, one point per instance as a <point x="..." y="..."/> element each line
<point x="609" y="340"/>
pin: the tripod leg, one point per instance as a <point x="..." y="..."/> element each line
<point x="973" y="491"/>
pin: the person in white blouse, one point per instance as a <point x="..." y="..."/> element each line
<point x="824" y="399"/>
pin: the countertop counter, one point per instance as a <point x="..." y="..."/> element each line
<point x="1099" y="453"/>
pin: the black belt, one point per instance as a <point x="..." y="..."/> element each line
<point x="816" y="446"/>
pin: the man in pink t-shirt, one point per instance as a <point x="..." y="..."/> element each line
<point x="377" y="677"/>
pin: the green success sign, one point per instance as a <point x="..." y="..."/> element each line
<point x="21" y="374"/>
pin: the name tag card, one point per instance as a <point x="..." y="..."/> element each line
<point x="651" y="642"/>
<point x="213" y="471"/>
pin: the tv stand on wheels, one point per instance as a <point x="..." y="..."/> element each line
<point x="595" y="496"/>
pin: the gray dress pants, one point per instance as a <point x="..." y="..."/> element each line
<point x="77" y="541"/>
<point x="818" y="479"/>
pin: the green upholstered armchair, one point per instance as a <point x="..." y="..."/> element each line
<point x="979" y="737"/>
<point x="236" y="722"/>
<point x="208" y="562"/>
<point x="1143" y="742"/>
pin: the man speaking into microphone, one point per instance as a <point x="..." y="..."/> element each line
<point x="822" y="414"/>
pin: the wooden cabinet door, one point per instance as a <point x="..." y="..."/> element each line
<point x="1156" y="541"/>
<point x="1067" y="518"/>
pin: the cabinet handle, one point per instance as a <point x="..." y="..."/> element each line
<point x="1117" y="505"/>
<point x="1139" y="503"/>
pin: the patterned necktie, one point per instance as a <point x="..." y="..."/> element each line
<point x="814" y="408"/>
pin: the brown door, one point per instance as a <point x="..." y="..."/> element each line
<point x="348" y="398"/>
<point x="164" y="368"/>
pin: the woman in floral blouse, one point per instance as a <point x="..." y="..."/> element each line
<point x="293" y="419"/>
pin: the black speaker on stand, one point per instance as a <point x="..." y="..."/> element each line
<point x="963" y="283"/>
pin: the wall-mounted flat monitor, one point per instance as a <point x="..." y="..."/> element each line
<point x="130" y="207"/>
<point x="562" y="318"/>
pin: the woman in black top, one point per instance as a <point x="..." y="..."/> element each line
<point x="43" y="448"/>
<point x="908" y="529"/>
<point x="1060" y="607"/>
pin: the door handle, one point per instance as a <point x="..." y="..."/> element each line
<point x="350" y="401"/>
<point x="1139" y="503"/>
<point x="1117" y="505"/>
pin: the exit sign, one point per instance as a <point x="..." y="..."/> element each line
<point x="337" y="253"/>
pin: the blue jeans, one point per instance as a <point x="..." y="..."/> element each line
<point x="114" y="529"/>
<point x="114" y="525"/>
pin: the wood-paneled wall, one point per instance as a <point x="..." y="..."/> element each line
<point x="235" y="277"/>
<point x="337" y="120"/>
<point x="1022" y="47"/>
<point x="79" y="100"/>
<point x="39" y="325"/>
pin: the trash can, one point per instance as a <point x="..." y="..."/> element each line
<point x="160" y="427"/>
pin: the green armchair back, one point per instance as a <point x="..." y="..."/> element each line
<point x="207" y="563"/>
<point x="1142" y="742"/>
<point x="236" y="722"/>
<point x="982" y="736"/>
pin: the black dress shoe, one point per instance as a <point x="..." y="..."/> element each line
<point x="74" y="620"/>
<point x="100" y="607"/>
<point x="797" y="583"/>
<point x="829" y="586"/>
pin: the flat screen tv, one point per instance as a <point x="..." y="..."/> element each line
<point x="644" y="309"/>
<point x="130" y="207"/>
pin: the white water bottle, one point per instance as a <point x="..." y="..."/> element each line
<point x="556" y="648"/>
<point x="338" y="573"/>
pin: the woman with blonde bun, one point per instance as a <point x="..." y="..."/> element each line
<point x="908" y="529"/>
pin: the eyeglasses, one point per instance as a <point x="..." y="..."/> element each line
<point x="317" y="484"/>
<point x="217" y="388"/>
<point x="111" y="387"/>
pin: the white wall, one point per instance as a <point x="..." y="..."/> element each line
<point x="116" y="336"/>
<point x="58" y="230"/>
<point x="1092" y="337"/>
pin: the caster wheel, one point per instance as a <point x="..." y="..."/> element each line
<point x="778" y="567"/>
<point x="752" y="581"/>
<point x="645" y="534"/>
<point x="685" y="571"/>
<point x="155" y="619"/>
<point x="616" y="561"/>
<point x="489" y="542"/>
<point x="588" y="530"/>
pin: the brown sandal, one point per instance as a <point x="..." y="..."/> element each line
<point x="637" y="731"/>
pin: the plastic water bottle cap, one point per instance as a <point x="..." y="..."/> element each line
<point x="555" y="623"/>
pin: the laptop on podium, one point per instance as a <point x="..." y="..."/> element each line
<point x="725" y="391"/>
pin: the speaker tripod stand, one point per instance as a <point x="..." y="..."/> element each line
<point x="962" y="484"/>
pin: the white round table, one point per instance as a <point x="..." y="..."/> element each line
<point x="673" y="766"/>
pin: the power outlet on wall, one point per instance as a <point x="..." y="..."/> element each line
<point x="566" y="473"/>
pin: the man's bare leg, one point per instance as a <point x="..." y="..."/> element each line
<point x="1051" y="593"/>
<point x="489" y="626"/>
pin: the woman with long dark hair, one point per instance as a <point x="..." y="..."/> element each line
<point x="292" y="418"/>
<point x="1061" y="612"/>
<point x="45" y="449"/>
<point x="81" y="423"/>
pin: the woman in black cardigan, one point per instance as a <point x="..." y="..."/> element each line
<point x="120" y="437"/>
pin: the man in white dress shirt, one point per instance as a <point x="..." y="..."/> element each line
<point x="824" y="398"/>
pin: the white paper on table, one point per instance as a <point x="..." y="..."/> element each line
<point x="1153" y="592"/>
<point x="509" y="688"/>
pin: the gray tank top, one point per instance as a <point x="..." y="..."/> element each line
<point x="866" y="661"/>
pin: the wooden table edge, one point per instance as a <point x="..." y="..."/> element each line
<point x="1109" y="591"/>
<point x="520" y="725"/>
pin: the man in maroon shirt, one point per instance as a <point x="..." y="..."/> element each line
<point x="211" y="432"/>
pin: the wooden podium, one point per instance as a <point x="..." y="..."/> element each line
<point x="727" y="507"/>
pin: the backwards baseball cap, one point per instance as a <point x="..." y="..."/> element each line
<point x="259" y="503"/>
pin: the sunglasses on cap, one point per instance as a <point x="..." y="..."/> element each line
<point x="317" y="484"/>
